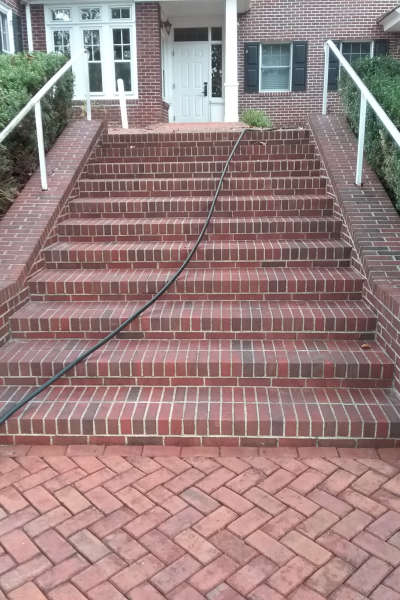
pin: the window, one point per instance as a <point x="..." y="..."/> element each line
<point x="122" y="57"/>
<point x="354" y="50"/>
<point x="275" y="67"/>
<point x="216" y="70"/>
<point x="191" y="34"/>
<point x="62" y="42"/>
<point x="121" y="13"/>
<point x="4" y="33"/>
<point x="61" y="14"/>
<point x="91" y="42"/>
<point x="90" y="14"/>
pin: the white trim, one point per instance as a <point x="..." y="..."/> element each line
<point x="290" y="44"/>
<point x="7" y="11"/>
<point x="29" y="27"/>
<point x="105" y="25"/>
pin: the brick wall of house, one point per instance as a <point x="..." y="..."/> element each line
<point x="314" y="21"/>
<point x="149" y="108"/>
<point x="38" y="27"/>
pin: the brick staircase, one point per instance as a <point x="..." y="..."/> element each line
<point x="258" y="340"/>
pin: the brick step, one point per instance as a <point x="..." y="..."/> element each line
<point x="246" y="319"/>
<point x="251" y="415"/>
<point x="229" y="206"/>
<point x="92" y="188"/>
<point x="188" y="169"/>
<point x="230" y="253"/>
<point x="247" y="283"/>
<point x="283" y="363"/>
<point x="180" y="229"/>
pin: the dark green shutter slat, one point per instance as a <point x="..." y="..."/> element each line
<point x="333" y="73"/>
<point x="17" y="29"/>
<point x="299" y="66"/>
<point x="381" y="47"/>
<point x="252" y="68"/>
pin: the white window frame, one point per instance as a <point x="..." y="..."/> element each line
<point x="370" y="42"/>
<point x="6" y="10"/>
<point x="290" y="44"/>
<point x="76" y="26"/>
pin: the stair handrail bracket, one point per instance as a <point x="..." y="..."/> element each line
<point x="35" y="103"/>
<point x="366" y="99"/>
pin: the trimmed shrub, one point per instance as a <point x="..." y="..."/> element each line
<point x="381" y="75"/>
<point x="256" y="118"/>
<point x="21" y="77"/>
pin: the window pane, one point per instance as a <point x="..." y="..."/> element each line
<point x="276" y="55"/>
<point x="4" y="45"/>
<point x="61" y="14"/>
<point x="275" y="79"/>
<point x="354" y="50"/>
<point x="123" y="71"/>
<point x="216" y="34"/>
<point x="62" y="43"/>
<point x="216" y="70"/>
<point x="115" y="13"/>
<point x="95" y="79"/>
<point x="121" y="13"/>
<point x="90" y="14"/>
<point x="125" y="13"/>
<point x="191" y="34"/>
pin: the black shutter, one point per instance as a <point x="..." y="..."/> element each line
<point x="17" y="29"/>
<point x="252" y="68"/>
<point x="333" y="73"/>
<point x="299" y="66"/>
<point x="381" y="47"/>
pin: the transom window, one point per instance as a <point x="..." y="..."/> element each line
<point x="122" y="12"/>
<point x="61" y="14"/>
<point x="90" y="14"/>
<point x="275" y="67"/>
<point x="191" y="34"/>
<point x="4" y="34"/>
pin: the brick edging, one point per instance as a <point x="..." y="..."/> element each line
<point x="371" y="224"/>
<point x="28" y="223"/>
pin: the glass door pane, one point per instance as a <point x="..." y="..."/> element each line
<point x="122" y="57"/>
<point x="91" y="41"/>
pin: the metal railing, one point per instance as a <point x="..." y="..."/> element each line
<point x="366" y="99"/>
<point x="35" y="102"/>
<point x="122" y="103"/>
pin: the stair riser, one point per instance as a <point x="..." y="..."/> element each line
<point x="299" y="168"/>
<point x="199" y="187"/>
<point x="177" y="157"/>
<point x="230" y="207"/>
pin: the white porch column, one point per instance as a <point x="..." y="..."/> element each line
<point x="231" y="67"/>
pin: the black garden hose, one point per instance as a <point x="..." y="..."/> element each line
<point x="8" y="413"/>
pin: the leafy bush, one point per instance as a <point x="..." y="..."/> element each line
<point x="381" y="75"/>
<point x="256" y="118"/>
<point x="21" y="77"/>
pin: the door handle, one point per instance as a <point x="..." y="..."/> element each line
<point x="205" y="90"/>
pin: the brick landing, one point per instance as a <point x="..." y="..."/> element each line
<point x="145" y="523"/>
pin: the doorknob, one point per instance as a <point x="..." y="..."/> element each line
<point x="205" y="90"/>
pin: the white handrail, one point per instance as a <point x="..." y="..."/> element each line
<point x="366" y="98"/>
<point x="35" y="102"/>
<point x="122" y="103"/>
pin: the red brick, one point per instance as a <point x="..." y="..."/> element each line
<point x="215" y="480"/>
<point x="122" y="451"/>
<point x="72" y="499"/>
<point x="144" y="463"/>
<point x="358" y="453"/>
<point x="270" y="548"/>
<point x="17" y="520"/>
<point x="265" y="501"/>
<point x="153" y="518"/>
<point x="265" y="592"/>
<point x="297" y="502"/>
<point x="330" y="503"/>
<point x="61" y="464"/>
<point x="145" y="591"/>
<point x="89" y="545"/>
<point x="306" y="482"/>
<point x="234" y="547"/>
<point x="161" y="451"/>
<point x="283" y="523"/>
<point x="103" y="500"/>
<point x="343" y="549"/>
<point x="19" y="546"/>
<point x="29" y="591"/>
<point x="306" y="548"/>
<point x="105" y="591"/>
<point x="245" y="481"/>
<point x="32" y="464"/>
<point x="137" y="573"/>
<point x="321" y="465"/>
<point x="113" y="521"/>
<point x="61" y="573"/>
<point x="317" y="524"/>
<point x="352" y="524"/>
<point x="369" y="576"/>
<point x="232" y="500"/>
<point x="346" y="593"/>
<point x="173" y="463"/>
<point x="213" y="574"/>
<point x="369" y="483"/>
<point x="304" y="593"/>
<point x="6" y="563"/>
<point x="330" y="576"/>
<point x="202" y="463"/>
<point x="384" y="593"/>
<point x="67" y="478"/>
<point x="378" y="548"/>
<point x="174" y="504"/>
<point x="350" y="465"/>
<point x="249" y="522"/>
<point x="89" y="464"/>
<point x="223" y="592"/>
<point x="380" y="466"/>
<point x="12" y="500"/>
<point x="116" y="463"/>
<point x="162" y="547"/>
<point x="251" y="575"/>
<point x="387" y="499"/>
<point x="363" y="503"/>
<point x="199" y="500"/>
<point x="47" y="521"/>
<point x="179" y="522"/>
<point x="184" y="481"/>
<point x="98" y="573"/>
<point x="215" y="522"/>
<point x="234" y="464"/>
<point x="24" y="573"/>
<point x="126" y="478"/>
<point x="291" y="575"/>
<point x="337" y="482"/>
<point x="198" y="547"/>
<point x="54" y="546"/>
<point x="185" y="592"/>
<point x="277" y="481"/>
<point x="134" y="500"/>
<point x="80" y="521"/>
<point x="78" y="450"/>
<point x="41" y="499"/>
<point x="34" y="480"/>
<point x="168" y="579"/>
<point x="315" y="453"/>
<point x="151" y="481"/>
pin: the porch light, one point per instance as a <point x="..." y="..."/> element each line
<point x="167" y="26"/>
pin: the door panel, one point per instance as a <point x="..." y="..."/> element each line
<point x="191" y="69"/>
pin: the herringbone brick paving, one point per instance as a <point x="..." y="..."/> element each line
<point x="142" y="523"/>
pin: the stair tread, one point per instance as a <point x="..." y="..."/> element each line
<point x="215" y="219"/>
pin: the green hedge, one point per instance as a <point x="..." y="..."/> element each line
<point x="21" y="77"/>
<point x="381" y="75"/>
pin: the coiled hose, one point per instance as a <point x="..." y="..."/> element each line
<point x="8" y="413"/>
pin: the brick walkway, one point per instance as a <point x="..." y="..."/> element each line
<point x="223" y="524"/>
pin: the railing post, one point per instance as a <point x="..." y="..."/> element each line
<point x="40" y="141"/>
<point x="122" y="103"/>
<point x="326" y="80"/>
<point x="361" y="139"/>
<point x="87" y="86"/>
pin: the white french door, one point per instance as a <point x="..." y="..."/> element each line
<point x="192" y="86"/>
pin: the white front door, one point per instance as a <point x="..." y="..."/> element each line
<point x="191" y="74"/>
